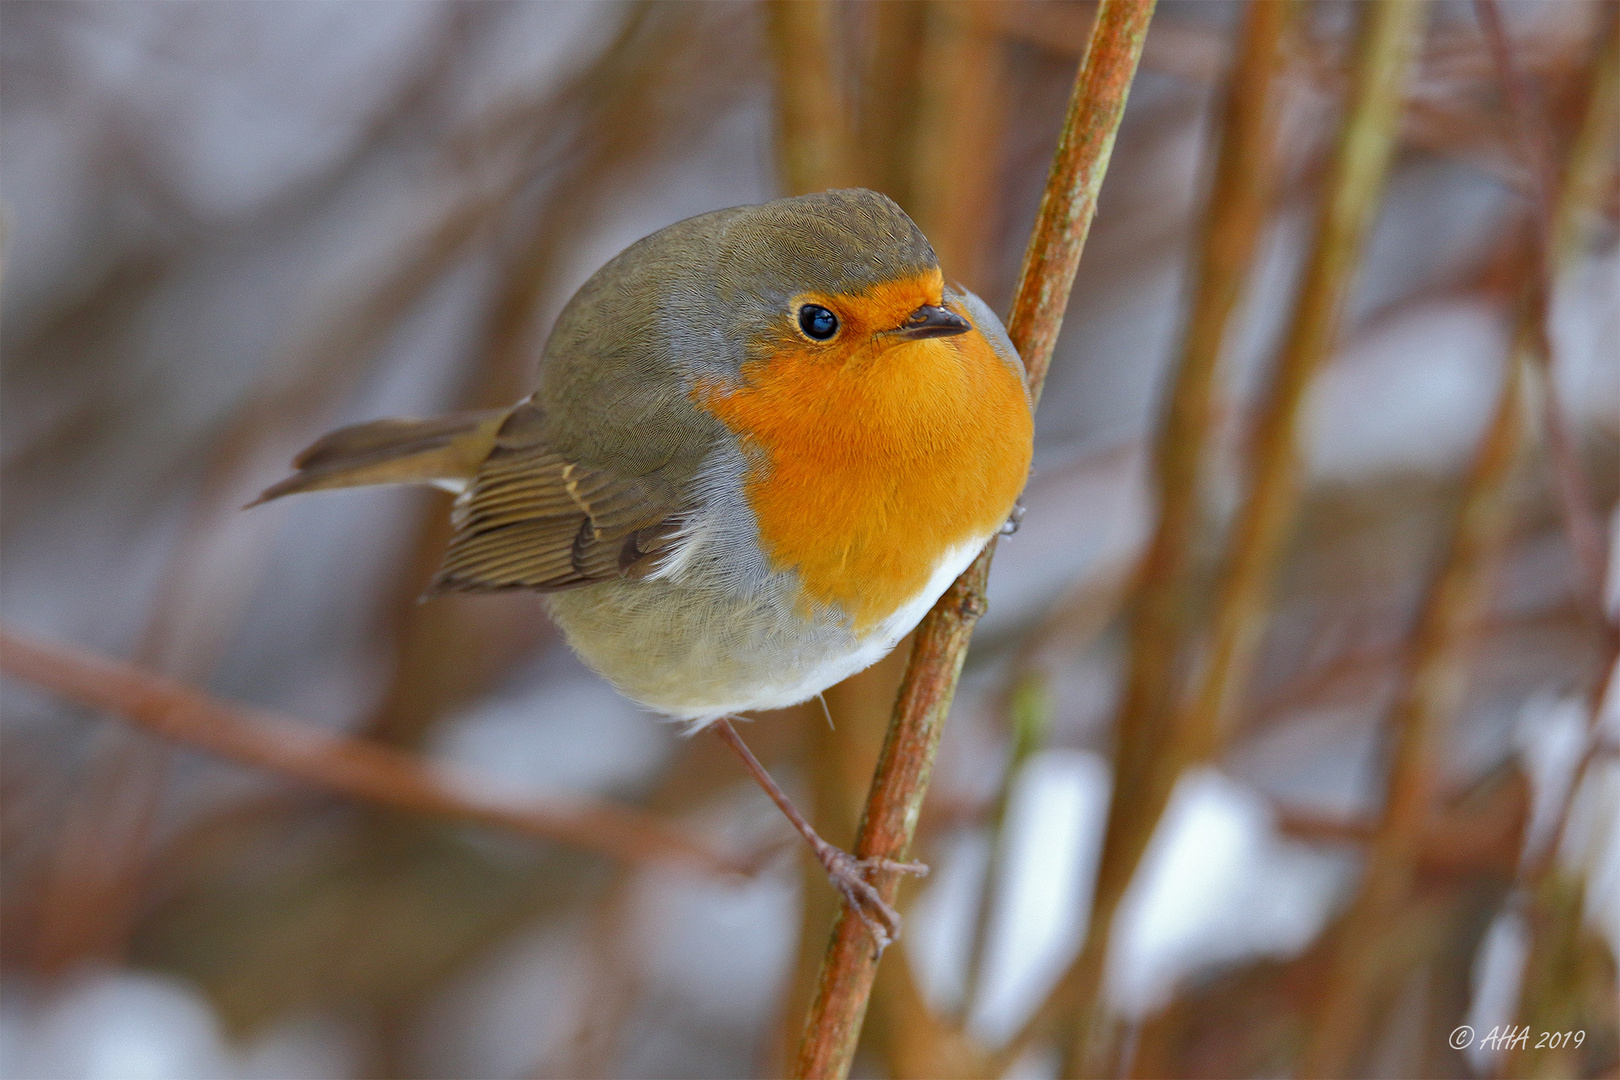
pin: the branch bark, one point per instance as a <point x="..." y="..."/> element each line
<point x="833" y="1024"/>
<point x="362" y="770"/>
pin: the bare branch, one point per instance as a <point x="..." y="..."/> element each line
<point x="353" y="767"/>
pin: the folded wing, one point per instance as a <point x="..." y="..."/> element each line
<point x="531" y="519"/>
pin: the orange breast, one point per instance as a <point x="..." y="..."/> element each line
<point x="872" y="461"/>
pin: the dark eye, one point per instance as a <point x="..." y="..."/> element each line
<point x="818" y="322"/>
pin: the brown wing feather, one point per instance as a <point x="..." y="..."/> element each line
<point x="531" y="519"/>
<point x="394" y="451"/>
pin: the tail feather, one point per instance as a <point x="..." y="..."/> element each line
<point x="445" y="451"/>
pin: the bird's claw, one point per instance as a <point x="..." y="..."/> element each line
<point x="849" y="876"/>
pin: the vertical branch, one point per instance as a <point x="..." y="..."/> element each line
<point x="957" y="137"/>
<point x="1144" y="766"/>
<point x="892" y="55"/>
<point x="1070" y="199"/>
<point x="1429" y="697"/>
<point x="1590" y="169"/>
<point x="1031" y="713"/>
<point x="954" y="157"/>
<point x="95" y="875"/>
<point x="1245" y="177"/>
<point x="1557" y="968"/>
<point x="833" y="1024"/>
<point x="615" y="112"/>
<point x="1431" y="692"/>
<point x="1529" y="125"/>
<point x="812" y="133"/>
<point x="1389" y="33"/>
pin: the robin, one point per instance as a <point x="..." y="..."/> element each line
<point x="765" y="440"/>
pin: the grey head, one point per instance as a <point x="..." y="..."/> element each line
<point x="695" y="299"/>
<point x="836" y="242"/>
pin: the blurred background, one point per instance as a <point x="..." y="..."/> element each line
<point x="231" y="227"/>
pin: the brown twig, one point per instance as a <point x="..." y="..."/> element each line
<point x="1355" y="180"/>
<point x="617" y="112"/>
<point x="368" y="771"/>
<point x="1429" y="697"/>
<point x="1390" y="34"/>
<point x="956" y="144"/>
<point x="891" y="46"/>
<point x="1549" y="900"/>
<point x="834" y="1021"/>
<point x="1185" y="48"/>
<point x="816" y="148"/>
<point x="95" y="875"/>
<point x="1030" y="713"/>
<point x="1244" y="182"/>
<point x="1070" y="199"/>
<point x="1146" y="761"/>
<point x="1529" y="123"/>
<point x="953" y="150"/>
<point x="1476" y="832"/>
<point x="1361" y="160"/>
<point x="813" y="143"/>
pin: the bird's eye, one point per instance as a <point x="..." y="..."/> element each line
<point x="817" y="322"/>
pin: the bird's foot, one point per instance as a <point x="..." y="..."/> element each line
<point x="851" y="877"/>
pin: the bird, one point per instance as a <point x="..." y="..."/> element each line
<point x="764" y="442"/>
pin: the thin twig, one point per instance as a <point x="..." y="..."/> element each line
<point x="1573" y="494"/>
<point x="816" y="148"/>
<point x="96" y="873"/>
<point x="1244" y="182"/>
<point x="1390" y="33"/>
<point x="1361" y="160"/>
<point x="584" y="137"/>
<point x="1031" y="714"/>
<point x="953" y="144"/>
<point x="1146" y="760"/>
<point x="1428" y="699"/>
<point x="834" y="1021"/>
<point x="362" y="770"/>
<point x="1471" y="835"/>
<point x="1549" y="904"/>
<point x="1070" y="200"/>
<point x="1355" y="179"/>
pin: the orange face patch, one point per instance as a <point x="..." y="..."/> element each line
<point x="876" y="455"/>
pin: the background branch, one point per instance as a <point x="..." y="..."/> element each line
<point x="362" y="770"/>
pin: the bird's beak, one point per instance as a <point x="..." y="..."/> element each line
<point x="929" y="321"/>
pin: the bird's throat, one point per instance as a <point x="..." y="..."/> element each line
<point x="865" y="473"/>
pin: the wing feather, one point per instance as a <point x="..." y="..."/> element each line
<point x="532" y="519"/>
